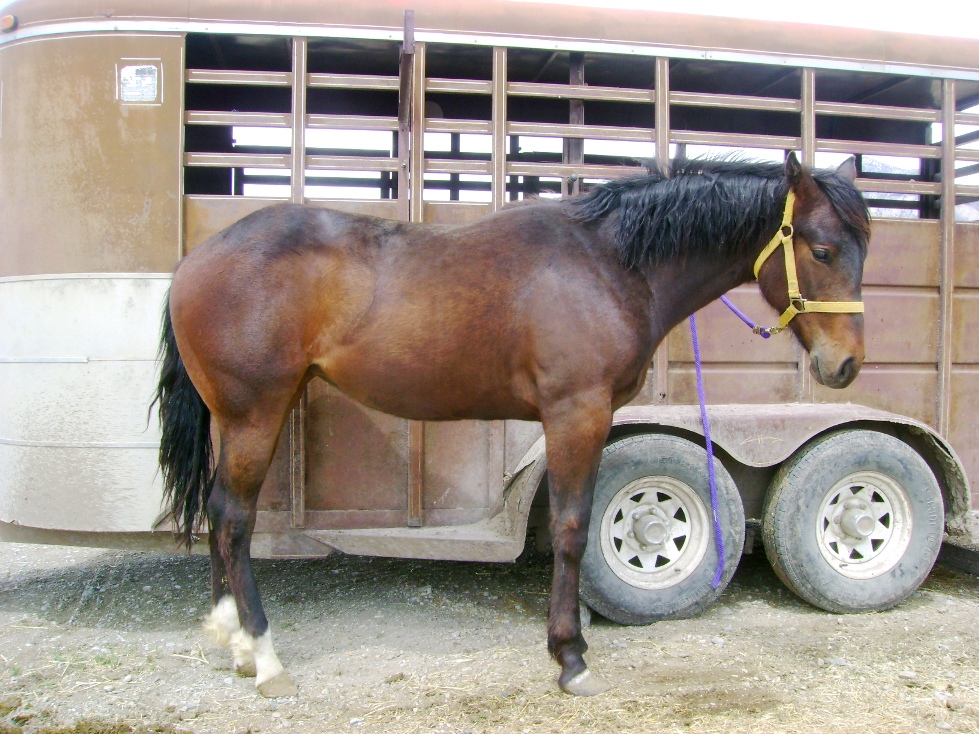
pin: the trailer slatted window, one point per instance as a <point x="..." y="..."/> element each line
<point x="238" y="118"/>
<point x="481" y="126"/>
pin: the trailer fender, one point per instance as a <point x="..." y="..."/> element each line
<point x="764" y="436"/>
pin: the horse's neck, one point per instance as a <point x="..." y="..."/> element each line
<point x="680" y="289"/>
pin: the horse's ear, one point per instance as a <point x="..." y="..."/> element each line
<point x="793" y="169"/>
<point x="800" y="180"/>
<point x="848" y="169"/>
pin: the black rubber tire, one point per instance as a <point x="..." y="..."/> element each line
<point x="791" y="517"/>
<point x="651" y="455"/>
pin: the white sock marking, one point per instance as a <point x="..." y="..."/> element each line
<point x="267" y="664"/>
<point x="222" y="622"/>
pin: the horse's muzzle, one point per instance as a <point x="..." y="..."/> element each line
<point x="835" y="377"/>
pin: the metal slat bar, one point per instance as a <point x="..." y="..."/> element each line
<point x="352" y="81"/>
<point x="350" y="163"/>
<point x="967" y="118"/>
<point x="403" y="134"/>
<point x="963" y="171"/>
<point x="299" y="114"/>
<point x="599" y="132"/>
<point x="351" y="122"/>
<point x="967" y="191"/>
<point x="731" y="101"/>
<point x="257" y="78"/>
<point x="736" y="140"/>
<point x="562" y="170"/>
<point x="573" y="152"/>
<point x="251" y="119"/>
<point x="459" y="86"/>
<point x="575" y="91"/>
<point x="416" y="165"/>
<point x="883" y="112"/>
<point x="967" y="154"/>
<point x="238" y="160"/>
<point x="661" y="357"/>
<point x="441" y="125"/>
<point x="297" y="420"/>
<point x="899" y="187"/>
<point x="661" y="121"/>
<point x="297" y="473"/>
<point x="416" y="213"/>
<point x="946" y="283"/>
<point x="439" y="165"/>
<point x="807" y="109"/>
<point x="870" y="148"/>
<point x="499" y="128"/>
<point x="498" y="193"/>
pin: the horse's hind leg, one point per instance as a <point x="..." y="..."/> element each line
<point x="576" y="430"/>
<point x="246" y="452"/>
<point x="222" y="624"/>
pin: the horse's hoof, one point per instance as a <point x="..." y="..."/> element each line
<point x="585" y="683"/>
<point x="246" y="669"/>
<point x="278" y="687"/>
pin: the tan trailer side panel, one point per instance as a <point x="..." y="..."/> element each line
<point x="88" y="183"/>
<point x="963" y="430"/>
<point x="900" y="374"/>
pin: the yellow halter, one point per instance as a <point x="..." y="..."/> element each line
<point x="797" y="304"/>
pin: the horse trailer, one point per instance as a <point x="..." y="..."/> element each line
<point x="130" y="136"/>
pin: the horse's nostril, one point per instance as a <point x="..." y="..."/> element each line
<point x="847" y="370"/>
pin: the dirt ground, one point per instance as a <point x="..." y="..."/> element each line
<point x="107" y="641"/>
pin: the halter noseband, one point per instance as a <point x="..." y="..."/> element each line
<point x="797" y="304"/>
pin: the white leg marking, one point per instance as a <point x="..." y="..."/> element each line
<point x="270" y="679"/>
<point x="222" y="622"/>
<point x="267" y="664"/>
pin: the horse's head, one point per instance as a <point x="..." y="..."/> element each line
<point x="828" y="243"/>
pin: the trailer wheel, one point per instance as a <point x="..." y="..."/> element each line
<point x="853" y="521"/>
<point x="651" y="551"/>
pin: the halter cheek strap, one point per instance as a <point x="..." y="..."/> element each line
<point x="797" y="304"/>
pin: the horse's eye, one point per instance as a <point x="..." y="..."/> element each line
<point x="821" y="254"/>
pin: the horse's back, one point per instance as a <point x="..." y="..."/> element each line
<point x="466" y="317"/>
<point x="416" y="320"/>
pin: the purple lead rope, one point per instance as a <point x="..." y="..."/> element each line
<point x="765" y="334"/>
<point x="710" y="454"/>
<point x="737" y="312"/>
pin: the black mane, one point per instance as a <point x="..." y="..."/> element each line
<point x="705" y="207"/>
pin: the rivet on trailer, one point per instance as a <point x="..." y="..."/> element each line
<point x="127" y="141"/>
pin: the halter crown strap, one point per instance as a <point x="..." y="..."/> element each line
<point x="784" y="233"/>
<point x="797" y="304"/>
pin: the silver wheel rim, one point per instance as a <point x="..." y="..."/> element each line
<point x="864" y="523"/>
<point x="655" y="532"/>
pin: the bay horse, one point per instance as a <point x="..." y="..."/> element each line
<point x="544" y="312"/>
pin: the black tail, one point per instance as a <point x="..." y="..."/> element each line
<point x="186" y="455"/>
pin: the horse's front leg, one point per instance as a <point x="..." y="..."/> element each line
<point x="576" y="430"/>
<point x="231" y="510"/>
